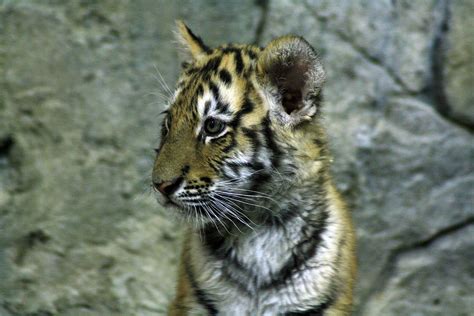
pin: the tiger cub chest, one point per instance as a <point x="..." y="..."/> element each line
<point x="248" y="274"/>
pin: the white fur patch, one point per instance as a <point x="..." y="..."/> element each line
<point x="265" y="251"/>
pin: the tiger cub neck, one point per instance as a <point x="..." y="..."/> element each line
<point x="292" y="254"/>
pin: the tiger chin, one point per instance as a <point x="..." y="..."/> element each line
<point x="243" y="160"/>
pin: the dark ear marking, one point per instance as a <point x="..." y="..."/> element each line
<point x="289" y="71"/>
<point x="197" y="39"/>
<point x="192" y="43"/>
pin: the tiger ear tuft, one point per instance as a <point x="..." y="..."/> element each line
<point x="192" y="44"/>
<point x="292" y="77"/>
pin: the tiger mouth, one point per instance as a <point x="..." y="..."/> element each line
<point x="169" y="202"/>
<point x="187" y="203"/>
<point x="195" y="202"/>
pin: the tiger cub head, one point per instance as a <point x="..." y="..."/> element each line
<point x="242" y="121"/>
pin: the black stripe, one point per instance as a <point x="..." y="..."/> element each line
<point x="207" y="106"/>
<point x="214" y="165"/>
<point x="211" y="66"/>
<point x="249" y="133"/>
<point x="235" y="168"/>
<point x="247" y="107"/>
<point x="185" y="169"/>
<point x="191" y="70"/>
<point x="200" y="90"/>
<point x="194" y="110"/>
<point x="214" y="90"/>
<point x="284" y="217"/>
<point x="239" y="64"/>
<point x="214" y="242"/>
<point x="317" y="310"/>
<point x="227" y="176"/>
<point x="225" y="76"/>
<point x="201" y="296"/>
<point x="256" y="145"/>
<point x="232" y="144"/>
<point x="234" y="165"/>
<point x="320" y="142"/>
<point x="223" y="108"/>
<point x="259" y="179"/>
<point x="270" y="142"/>
<point x="229" y="49"/>
<point x="251" y="54"/>
<point x="254" y="140"/>
<point x="303" y="251"/>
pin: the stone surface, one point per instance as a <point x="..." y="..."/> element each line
<point x="80" y="96"/>
<point x="434" y="270"/>
<point x="459" y="66"/>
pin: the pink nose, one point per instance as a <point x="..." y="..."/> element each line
<point x="161" y="186"/>
<point x="168" y="187"/>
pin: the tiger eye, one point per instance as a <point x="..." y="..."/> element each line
<point x="213" y="126"/>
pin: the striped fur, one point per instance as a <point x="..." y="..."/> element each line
<point x="268" y="234"/>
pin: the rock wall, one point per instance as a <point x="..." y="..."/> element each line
<point x="81" y="90"/>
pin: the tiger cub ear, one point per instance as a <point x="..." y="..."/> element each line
<point x="192" y="44"/>
<point x="291" y="75"/>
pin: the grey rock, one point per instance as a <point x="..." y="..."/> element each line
<point x="397" y="35"/>
<point x="438" y="271"/>
<point x="458" y="64"/>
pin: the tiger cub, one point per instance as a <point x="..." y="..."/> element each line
<point x="243" y="158"/>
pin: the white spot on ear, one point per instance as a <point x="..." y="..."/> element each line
<point x="272" y="99"/>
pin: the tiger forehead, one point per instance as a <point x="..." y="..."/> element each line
<point x="209" y="80"/>
<point x="234" y="58"/>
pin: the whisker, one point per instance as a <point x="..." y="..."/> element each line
<point x="212" y="218"/>
<point x="224" y="195"/>
<point x="235" y="213"/>
<point x="162" y="82"/>
<point x="211" y="209"/>
<point x="247" y="196"/>
<point x="250" y="195"/>
<point x="238" y="210"/>
<point x="216" y="207"/>
<point x="222" y="199"/>
<point x="243" y="178"/>
<point x="159" y="95"/>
